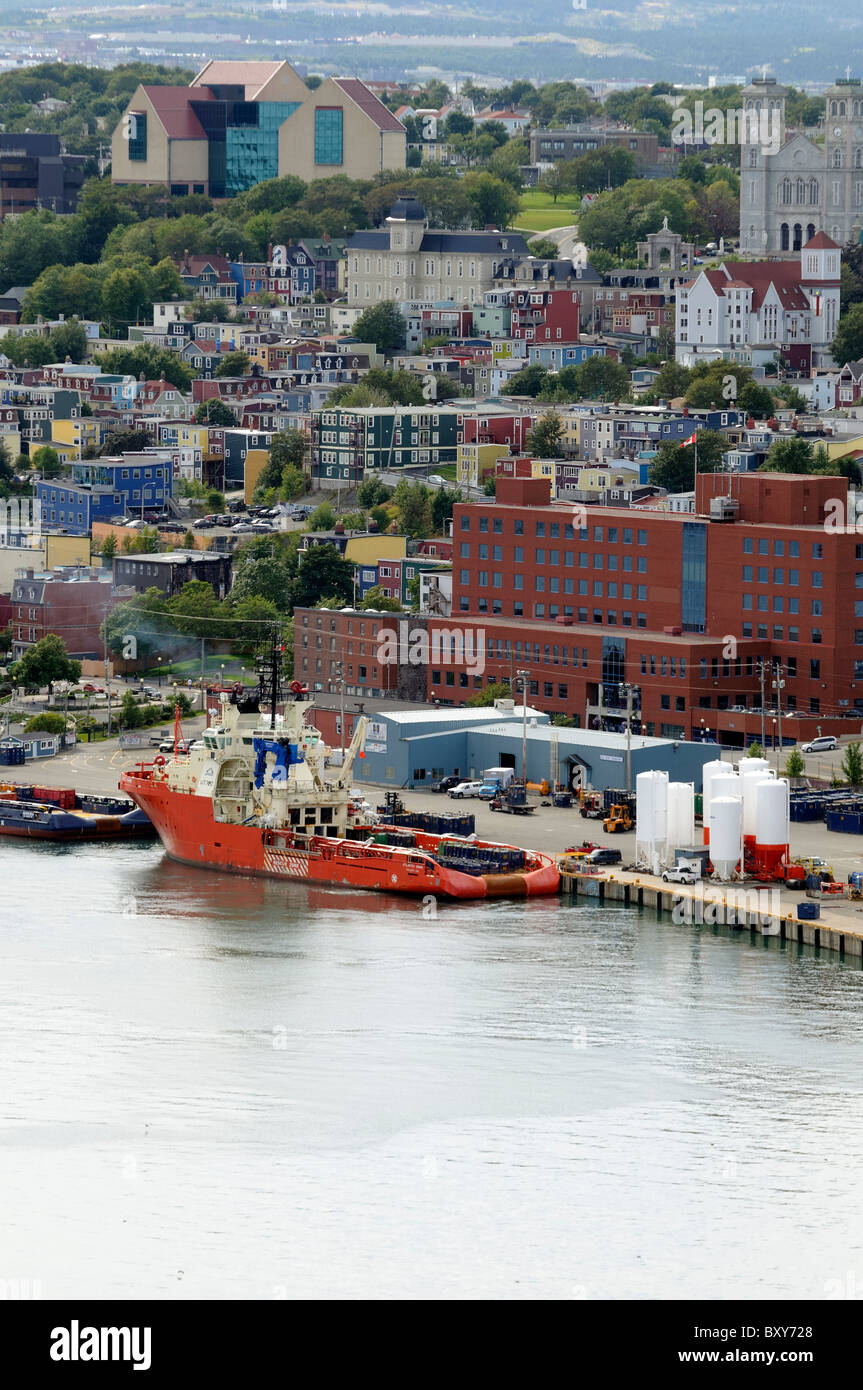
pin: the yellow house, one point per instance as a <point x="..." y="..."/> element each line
<point x="364" y="550"/>
<point x="601" y="476"/>
<point x="474" y="462"/>
<point x="255" y="463"/>
<point x="80" y="434"/>
<point x="570" y="441"/>
<point x="848" y="444"/>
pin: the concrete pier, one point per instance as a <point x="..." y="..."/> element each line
<point x="753" y="907"/>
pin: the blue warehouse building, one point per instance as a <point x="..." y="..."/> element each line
<point x="412" y="748"/>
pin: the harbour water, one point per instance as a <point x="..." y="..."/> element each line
<point x="217" y="1087"/>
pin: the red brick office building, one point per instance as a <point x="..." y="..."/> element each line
<point x="685" y="606"/>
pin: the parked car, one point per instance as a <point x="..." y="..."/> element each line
<point x="243" y="526"/>
<point x="166" y="746"/>
<point x="237" y="506"/>
<point x="205" y="524"/>
<point x="445" y="783"/>
<point x="464" y="789"/>
<point x="827" y="743"/>
<point x="488" y="790"/>
<point x="436" y="480"/>
<point x="681" y="874"/>
<point x="605" y="856"/>
<point x="262" y="528"/>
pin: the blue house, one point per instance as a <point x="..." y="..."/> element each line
<point x="102" y="489"/>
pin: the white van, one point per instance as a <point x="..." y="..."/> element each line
<point x="825" y="744"/>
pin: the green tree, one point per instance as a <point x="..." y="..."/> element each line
<point x="383" y="325"/>
<point x="150" y="362"/>
<point x="293" y="484"/>
<point x="215" y="500"/>
<point x="137" y="624"/>
<point x="322" y="570"/>
<point x="372" y="492"/>
<point x="48" y="661"/>
<point x="194" y="609"/>
<point x="376" y="598"/>
<point x="131" y="715"/>
<point x="287" y="449"/>
<point x="189" y="541"/>
<point x="674" y="466"/>
<point x="254" y="618"/>
<point x="413" y="509"/>
<point x="482" y="698"/>
<point x="109" y="546"/>
<point x="493" y="201"/>
<point x="233" y="364"/>
<point x="789" y="456"/>
<point x="795" y="764"/>
<point x="442" y="503"/>
<point x="755" y="750"/>
<point x="852" y="764"/>
<point x="264" y="568"/>
<point x="528" y="382"/>
<point x="214" y="412"/>
<point x="323" y="518"/>
<point x="47" y="462"/>
<point x="848" y="342"/>
<point x="602" y="376"/>
<point x="543" y="248"/>
<point x="46" y="723"/>
<point x="543" y="441"/>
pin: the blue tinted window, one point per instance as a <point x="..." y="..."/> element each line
<point x="328" y="135"/>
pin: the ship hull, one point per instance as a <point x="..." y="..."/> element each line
<point x="190" y="834"/>
<point x="31" y="823"/>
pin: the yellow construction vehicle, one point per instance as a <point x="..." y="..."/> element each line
<point x="618" y="818"/>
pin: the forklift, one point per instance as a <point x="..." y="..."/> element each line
<point x="619" y="818"/>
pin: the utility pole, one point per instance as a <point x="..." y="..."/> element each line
<point x="105" y="655"/>
<point x="630" y="691"/>
<point x="522" y="676"/>
<point x="761" y="675"/>
<point x="203" y="673"/>
<point x="340" y="677"/>
<point x="778" y="686"/>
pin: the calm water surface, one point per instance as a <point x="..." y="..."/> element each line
<point x="218" y="1087"/>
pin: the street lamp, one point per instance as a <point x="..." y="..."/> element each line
<point x="159" y="669"/>
<point x="339" y="673"/>
<point x="522" y="676"/>
<point x="773" y="722"/>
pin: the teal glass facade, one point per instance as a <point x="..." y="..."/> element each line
<point x="329" y="135"/>
<point x="252" y="143"/>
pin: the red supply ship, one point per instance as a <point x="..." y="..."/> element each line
<point x="254" y="796"/>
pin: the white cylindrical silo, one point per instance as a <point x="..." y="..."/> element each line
<point x="749" y="780"/>
<point x="747" y="765"/>
<point x="725" y="825"/>
<point x="681" y="815"/>
<point x="772" y="817"/>
<point x="710" y="770"/>
<point x="651" y="813"/>
<point x="726" y="783"/>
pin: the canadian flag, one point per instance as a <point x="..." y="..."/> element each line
<point x="690" y="440"/>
